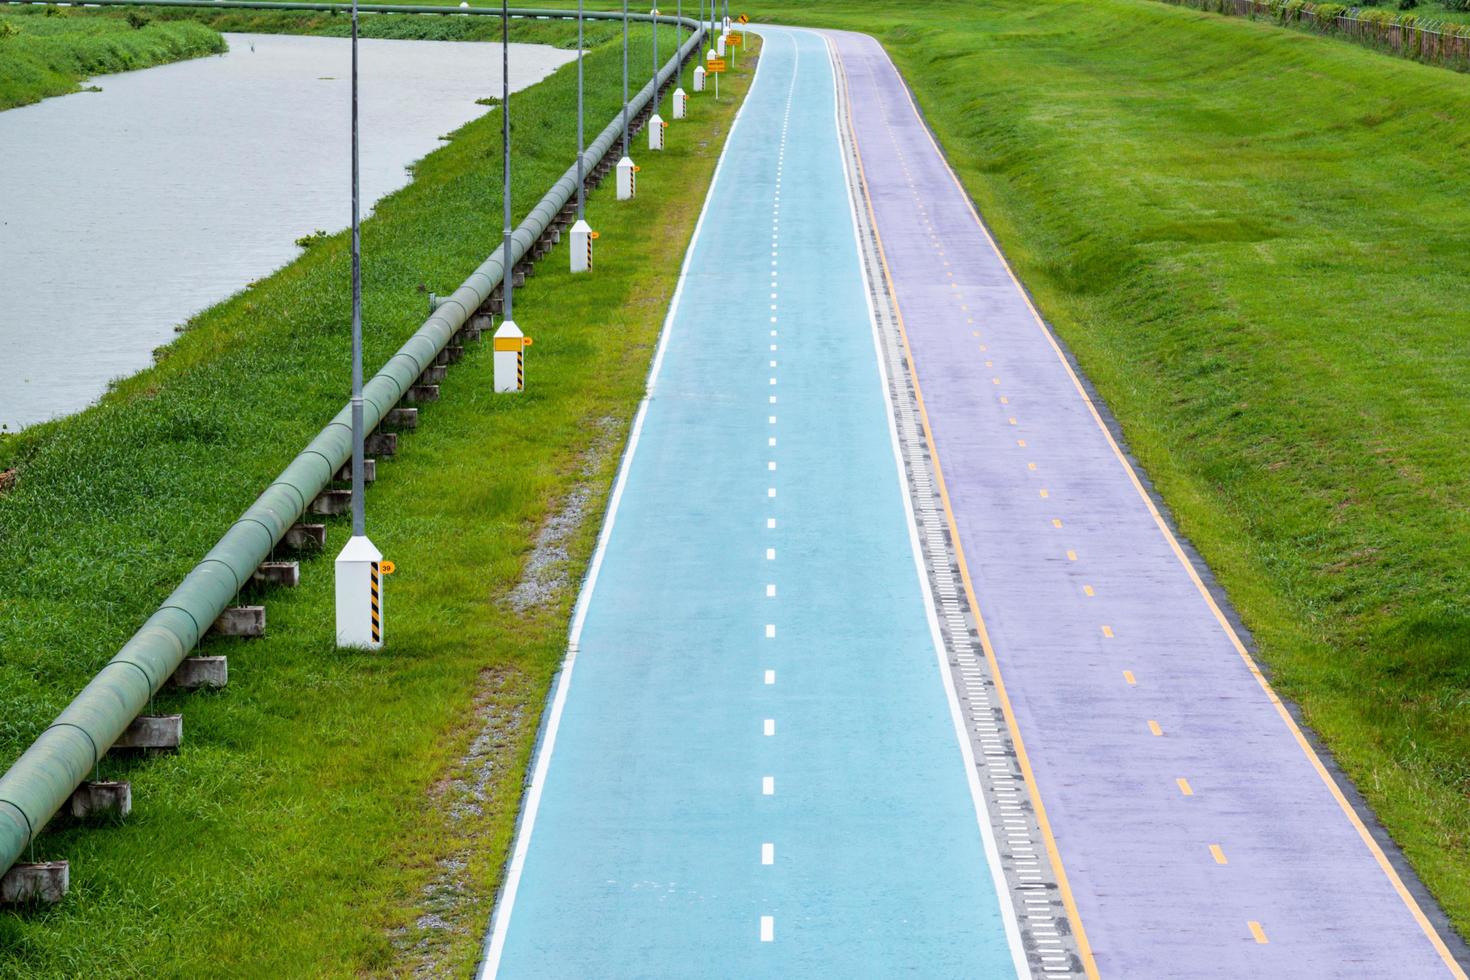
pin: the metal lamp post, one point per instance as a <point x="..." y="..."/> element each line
<point x="356" y="570"/>
<point x="627" y="179"/>
<point x="510" y="341"/>
<point x="656" y="121"/>
<point x="681" y="98"/>
<point x="582" y="235"/>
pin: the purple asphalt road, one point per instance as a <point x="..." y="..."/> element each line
<point x="1071" y="606"/>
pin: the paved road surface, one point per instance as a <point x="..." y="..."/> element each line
<point x="751" y="766"/>
<point x="1199" y="834"/>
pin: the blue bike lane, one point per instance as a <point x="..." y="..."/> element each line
<point x="750" y="766"/>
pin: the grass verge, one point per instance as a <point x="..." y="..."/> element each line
<point x="1254" y="242"/>
<point x="46" y="51"/>
<point x="340" y="814"/>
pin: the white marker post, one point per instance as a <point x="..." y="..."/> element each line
<point x="510" y="343"/>
<point x="510" y="357"/>
<point x="698" y="82"/>
<point x="582" y="233"/>
<point x="359" y="601"/>
<point x="582" y="238"/>
<point x="681" y="99"/>
<point x="627" y="184"/>
<point x="714" y="66"/>
<point x="627" y="179"/>
<point x="656" y="122"/>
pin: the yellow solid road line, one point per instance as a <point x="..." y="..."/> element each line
<point x="1128" y="676"/>
<point x="1290" y="722"/>
<point x="1153" y="726"/>
<point x="1218" y="854"/>
<point x="1184" y="786"/>
<point x="1258" y="932"/>
<point x="1064" y="887"/>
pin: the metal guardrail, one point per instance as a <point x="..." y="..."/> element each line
<point x="67" y="752"/>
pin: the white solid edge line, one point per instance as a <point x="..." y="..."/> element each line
<point x="494" y="946"/>
<point x="1009" y="916"/>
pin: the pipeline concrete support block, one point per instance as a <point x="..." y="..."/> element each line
<point x="100" y="799"/>
<point x="454" y="353"/>
<point x="201" y="673"/>
<point x="386" y="443"/>
<point x="287" y="573"/>
<point x="402" y="418"/>
<point x="241" y="621"/>
<point x="369" y="472"/>
<point x="422" y="393"/>
<point x="330" y="503"/>
<point x="35" y="884"/>
<point x="307" y="537"/>
<point x="433" y="374"/>
<point x="157" y="732"/>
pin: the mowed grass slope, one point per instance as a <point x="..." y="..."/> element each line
<point x="1256" y="241"/>
<point x="340" y="814"/>
<point x="47" y="51"/>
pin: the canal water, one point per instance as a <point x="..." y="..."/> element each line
<point x="124" y="212"/>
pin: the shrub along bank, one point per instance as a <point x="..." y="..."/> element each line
<point x="46" y="51"/>
<point x="333" y="813"/>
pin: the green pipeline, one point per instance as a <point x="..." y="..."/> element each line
<point x="67" y="752"/>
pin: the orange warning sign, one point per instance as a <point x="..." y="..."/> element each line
<point x="715" y="66"/>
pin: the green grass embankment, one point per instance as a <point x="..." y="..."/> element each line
<point x="335" y="814"/>
<point x="410" y="27"/>
<point x="1255" y="242"/>
<point x="48" y="51"/>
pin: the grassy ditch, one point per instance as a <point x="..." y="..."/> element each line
<point x="334" y="814"/>
<point x="1260" y="261"/>
<point x="48" y="51"/>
